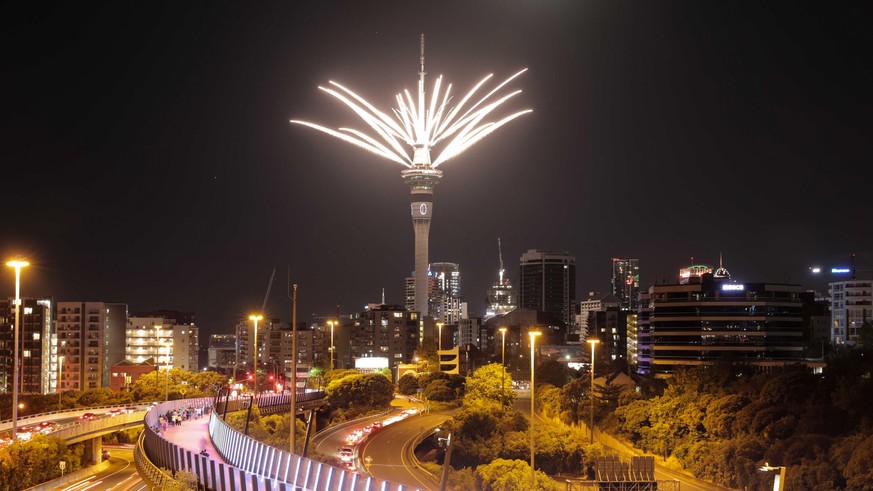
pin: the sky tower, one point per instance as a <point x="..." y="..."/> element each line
<point x="421" y="179"/>
<point x="423" y="125"/>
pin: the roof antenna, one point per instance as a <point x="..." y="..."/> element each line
<point x="383" y="296"/>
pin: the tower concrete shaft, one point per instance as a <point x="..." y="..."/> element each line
<point x="422" y="179"/>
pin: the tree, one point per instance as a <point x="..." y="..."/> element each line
<point x="427" y="356"/>
<point x="574" y="399"/>
<point x="408" y="384"/>
<point x="858" y="472"/>
<point x="363" y="391"/>
<point x="552" y="372"/>
<point x="337" y="374"/>
<point x="511" y="475"/>
<point x="484" y="387"/>
<point x="439" y="391"/>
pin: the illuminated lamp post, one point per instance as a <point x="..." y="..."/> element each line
<point x="332" y="346"/>
<point x="17" y="264"/>
<point x="779" y="480"/>
<point x="256" y="318"/>
<point x="503" y="367"/>
<point x="439" y="346"/>
<point x="593" y="342"/>
<point x="169" y="367"/>
<point x="533" y="478"/>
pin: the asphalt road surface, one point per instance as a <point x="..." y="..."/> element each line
<point x="120" y="476"/>
<point x="390" y="450"/>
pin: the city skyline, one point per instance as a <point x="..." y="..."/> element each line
<point x="151" y="161"/>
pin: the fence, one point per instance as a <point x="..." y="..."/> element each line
<point x="247" y="464"/>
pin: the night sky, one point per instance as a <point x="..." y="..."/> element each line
<point x="148" y="157"/>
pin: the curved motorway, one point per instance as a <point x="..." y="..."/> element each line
<point x="391" y="449"/>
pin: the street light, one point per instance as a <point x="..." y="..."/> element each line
<point x="167" y="347"/>
<point x="439" y="346"/>
<point x="256" y="318"/>
<point x="332" y="348"/>
<point x="593" y="342"/>
<point x="503" y="367"/>
<point x="17" y="264"/>
<point x="533" y="478"/>
<point x="158" y="344"/>
<point x="779" y="480"/>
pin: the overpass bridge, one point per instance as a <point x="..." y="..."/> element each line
<point x="243" y="463"/>
<point x="238" y="463"/>
<point x="90" y="432"/>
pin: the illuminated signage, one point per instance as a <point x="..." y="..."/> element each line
<point x="732" y="287"/>
<point x="840" y="270"/>
<point x="372" y="363"/>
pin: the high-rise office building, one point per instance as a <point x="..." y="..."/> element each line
<point x="88" y="339"/>
<point x="548" y="283"/>
<point x="115" y="338"/>
<point x="851" y="306"/>
<point x="640" y="352"/>
<point x="704" y="319"/>
<point x="594" y="302"/>
<point x="36" y="359"/>
<point x="626" y="281"/>
<point x="443" y="292"/>
<point x="222" y="352"/>
<point x="387" y="331"/>
<point x="500" y="297"/>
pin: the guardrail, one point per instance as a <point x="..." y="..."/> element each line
<point x="250" y="465"/>
<point x="6" y="424"/>
<point x="154" y="477"/>
<point x="278" y="468"/>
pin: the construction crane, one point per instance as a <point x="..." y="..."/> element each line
<point x="269" y="288"/>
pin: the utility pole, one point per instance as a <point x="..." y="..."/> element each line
<point x="293" y="425"/>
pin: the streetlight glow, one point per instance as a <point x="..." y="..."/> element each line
<point x="17" y="263"/>
<point x="779" y="480"/>
<point x="503" y="367"/>
<point x="533" y="478"/>
<point x="593" y="342"/>
<point x="332" y="348"/>
<point x="256" y="318"/>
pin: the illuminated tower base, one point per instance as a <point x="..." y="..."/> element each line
<point x="421" y="179"/>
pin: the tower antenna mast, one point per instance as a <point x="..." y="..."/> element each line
<point x="500" y="255"/>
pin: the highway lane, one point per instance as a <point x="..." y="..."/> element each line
<point x="120" y="476"/>
<point x="329" y="441"/>
<point x="390" y="450"/>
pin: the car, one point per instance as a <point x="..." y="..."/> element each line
<point x="346" y="454"/>
<point x="88" y="417"/>
<point x="377" y="425"/>
<point x="131" y="409"/>
<point x="368" y="428"/>
<point x="47" y="427"/>
<point x="114" y="412"/>
<point x="105" y="455"/>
